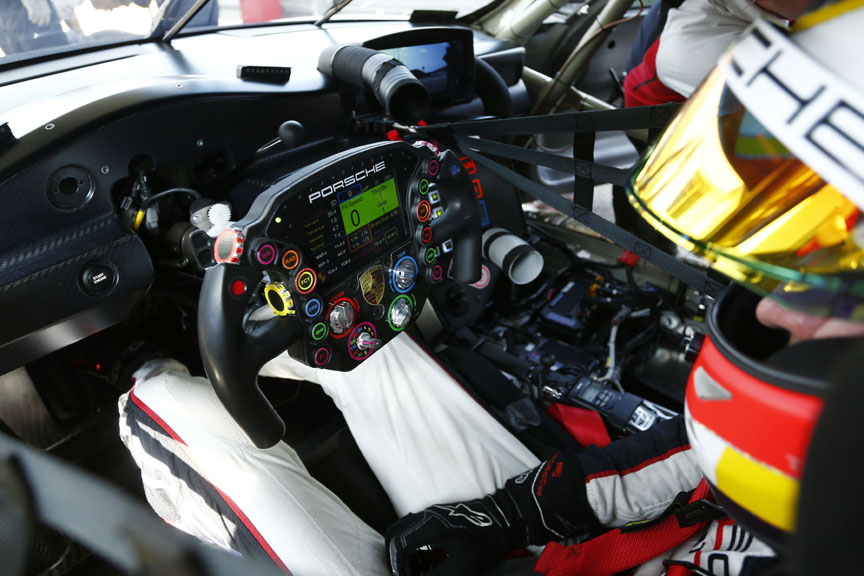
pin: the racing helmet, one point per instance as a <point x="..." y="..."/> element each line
<point x="762" y="174"/>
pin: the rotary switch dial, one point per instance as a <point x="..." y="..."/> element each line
<point x="341" y="317"/>
<point x="279" y="299"/>
<point x="366" y="341"/>
<point x="404" y="274"/>
<point x="400" y="313"/>
<point x="362" y="341"/>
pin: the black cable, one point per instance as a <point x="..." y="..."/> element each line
<point x="575" y="260"/>
<point x="165" y="193"/>
<point x="625" y="294"/>
<point x="679" y="302"/>
<point x="631" y="278"/>
<point x="642" y="336"/>
<point x="621" y="300"/>
<point x="562" y="273"/>
<point x="554" y="242"/>
<point x="566" y="272"/>
<point x="602" y="268"/>
<point x="588" y="370"/>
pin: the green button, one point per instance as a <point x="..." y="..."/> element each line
<point x="423" y="186"/>
<point x="319" y="331"/>
<point x="431" y="255"/>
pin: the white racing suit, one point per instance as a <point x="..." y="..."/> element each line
<point x="426" y="440"/>
<point x="424" y="437"/>
<point x="632" y="483"/>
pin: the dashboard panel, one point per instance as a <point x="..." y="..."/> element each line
<point x="80" y="124"/>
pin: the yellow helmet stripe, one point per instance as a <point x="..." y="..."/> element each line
<point x="767" y="493"/>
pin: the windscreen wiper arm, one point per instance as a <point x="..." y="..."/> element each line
<point x="337" y="6"/>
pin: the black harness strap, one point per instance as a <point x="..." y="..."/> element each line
<point x="570" y="122"/>
<point x="657" y="257"/>
<point x="590" y="170"/>
<point x="583" y="152"/>
<point x="587" y="173"/>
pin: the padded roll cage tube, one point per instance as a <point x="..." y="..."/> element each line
<point x="37" y="487"/>
<point x="472" y="137"/>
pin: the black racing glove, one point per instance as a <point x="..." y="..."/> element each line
<point x="464" y="538"/>
<point x="468" y="538"/>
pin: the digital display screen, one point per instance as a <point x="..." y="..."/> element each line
<point x="343" y="218"/>
<point x="359" y="210"/>
<point x="444" y="66"/>
<point x="591" y="393"/>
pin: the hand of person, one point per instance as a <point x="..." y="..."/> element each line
<point x="467" y="538"/>
<point x="38" y="11"/>
<point x="462" y="539"/>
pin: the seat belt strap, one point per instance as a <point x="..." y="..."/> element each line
<point x="583" y="168"/>
<point x="619" y="550"/>
<point x="583" y="183"/>
<point x="651" y="117"/>
<point x="669" y="264"/>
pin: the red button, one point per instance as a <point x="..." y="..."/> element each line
<point x="238" y="287"/>
<point x="426" y="235"/>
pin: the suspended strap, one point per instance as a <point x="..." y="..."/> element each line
<point x="669" y="264"/>
<point x="650" y="117"/>
<point x="584" y="126"/>
<point x="619" y="550"/>
<point x="591" y="170"/>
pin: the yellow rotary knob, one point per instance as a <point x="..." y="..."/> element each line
<point x="279" y="299"/>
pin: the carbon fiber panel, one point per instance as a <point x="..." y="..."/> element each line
<point x="50" y="309"/>
<point x="47" y="250"/>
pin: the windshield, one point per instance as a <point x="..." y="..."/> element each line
<point x="33" y="28"/>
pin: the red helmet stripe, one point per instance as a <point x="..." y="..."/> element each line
<point x="769" y="423"/>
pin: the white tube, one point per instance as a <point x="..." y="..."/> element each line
<point x="518" y="259"/>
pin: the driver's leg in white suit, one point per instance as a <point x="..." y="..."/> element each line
<point x="424" y="437"/>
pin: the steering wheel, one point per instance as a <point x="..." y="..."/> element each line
<point x="344" y="249"/>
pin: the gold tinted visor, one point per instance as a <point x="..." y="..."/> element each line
<point x="721" y="185"/>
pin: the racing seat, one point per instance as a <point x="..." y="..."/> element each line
<point x="424" y="437"/>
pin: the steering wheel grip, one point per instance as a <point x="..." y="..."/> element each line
<point x="233" y="354"/>
<point x="461" y="220"/>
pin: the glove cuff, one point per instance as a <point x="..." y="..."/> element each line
<point x="549" y="502"/>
